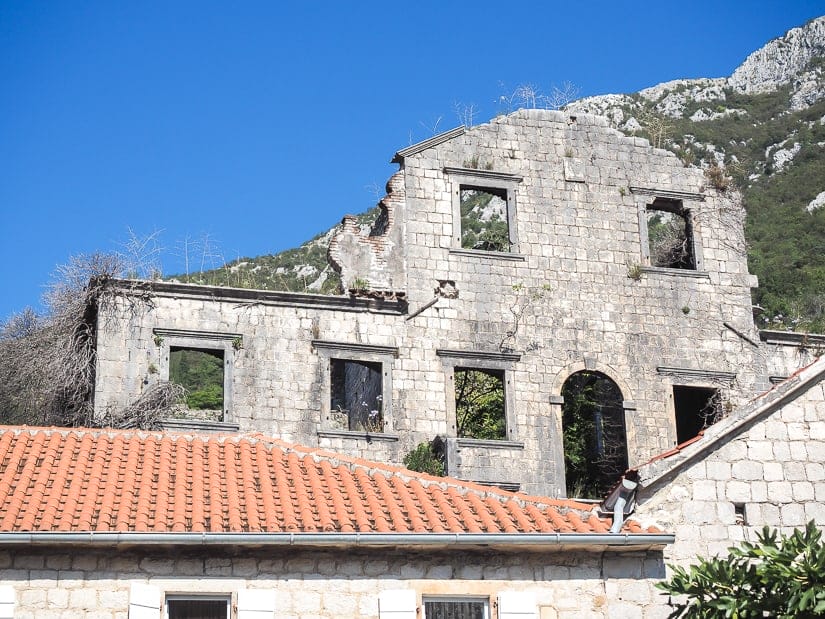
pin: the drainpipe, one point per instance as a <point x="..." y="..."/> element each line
<point x="538" y="540"/>
<point x="626" y="495"/>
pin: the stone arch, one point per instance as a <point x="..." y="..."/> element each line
<point x="592" y="366"/>
<point x="594" y="434"/>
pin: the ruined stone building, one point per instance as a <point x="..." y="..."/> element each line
<point x="526" y="256"/>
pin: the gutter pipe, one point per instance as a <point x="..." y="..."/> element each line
<point x="111" y="538"/>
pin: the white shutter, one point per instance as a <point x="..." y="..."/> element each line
<point x="397" y="604"/>
<point x="517" y="605"/>
<point x="256" y="604"/>
<point x="6" y="602"/>
<point x="144" y="601"/>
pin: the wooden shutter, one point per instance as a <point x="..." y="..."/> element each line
<point x="6" y="602"/>
<point x="517" y="605"/>
<point x="144" y="601"/>
<point x="256" y="604"/>
<point x="397" y="604"/>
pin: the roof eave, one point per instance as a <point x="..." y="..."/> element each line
<point x="414" y="149"/>
<point x="541" y="541"/>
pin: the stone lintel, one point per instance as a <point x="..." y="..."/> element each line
<point x="488" y="443"/>
<point x="668" y="193"/>
<point x="478" y="355"/>
<point x="695" y="375"/>
<point x="197" y="335"/>
<point x="358" y="435"/>
<point x="358" y="348"/>
<point x="484" y="174"/>
<point x="482" y="253"/>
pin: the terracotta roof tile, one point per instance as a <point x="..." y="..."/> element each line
<point x="63" y="479"/>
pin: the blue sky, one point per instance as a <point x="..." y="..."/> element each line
<point x="260" y="124"/>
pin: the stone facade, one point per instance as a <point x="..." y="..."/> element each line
<point x="576" y="291"/>
<point x="82" y="583"/>
<point x="764" y="466"/>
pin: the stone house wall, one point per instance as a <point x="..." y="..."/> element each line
<point x="96" y="584"/>
<point x="575" y="292"/>
<point x="772" y="473"/>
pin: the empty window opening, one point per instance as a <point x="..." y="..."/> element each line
<point x="696" y="408"/>
<point x="739" y="514"/>
<point x="357" y="400"/>
<point x="435" y="608"/>
<point x="480" y="403"/>
<point x="669" y="235"/>
<point x="594" y="436"/>
<point x="194" y="608"/>
<point x="484" y="218"/>
<point x="201" y="372"/>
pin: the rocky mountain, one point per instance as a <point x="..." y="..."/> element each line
<point x="761" y="129"/>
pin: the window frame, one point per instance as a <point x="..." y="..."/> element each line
<point x="481" y="360"/>
<point x="189" y="597"/>
<point x="227" y="343"/>
<point x="457" y="599"/>
<point x="684" y="204"/>
<point x="364" y="353"/>
<point x="471" y="178"/>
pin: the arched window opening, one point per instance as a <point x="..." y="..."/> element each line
<point x="595" y="440"/>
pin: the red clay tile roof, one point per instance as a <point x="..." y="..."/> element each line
<point x="79" y="480"/>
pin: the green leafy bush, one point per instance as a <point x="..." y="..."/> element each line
<point x="424" y="460"/>
<point x="780" y="577"/>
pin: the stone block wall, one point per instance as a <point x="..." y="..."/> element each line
<point x="96" y="584"/>
<point x="574" y="293"/>
<point x="771" y="474"/>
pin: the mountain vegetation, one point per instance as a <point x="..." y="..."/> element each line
<point x="761" y="131"/>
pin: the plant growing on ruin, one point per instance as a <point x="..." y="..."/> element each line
<point x="777" y="576"/>
<point x="717" y="178"/>
<point x="426" y="458"/>
<point x="669" y="239"/>
<point x="360" y="284"/>
<point x="525" y="300"/>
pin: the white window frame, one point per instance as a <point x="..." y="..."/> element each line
<point x="459" y="599"/>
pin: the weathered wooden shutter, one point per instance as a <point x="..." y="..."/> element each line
<point x="144" y="601"/>
<point x="256" y="604"/>
<point x="6" y="602"/>
<point x="397" y="604"/>
<point x="517" y="605"/>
